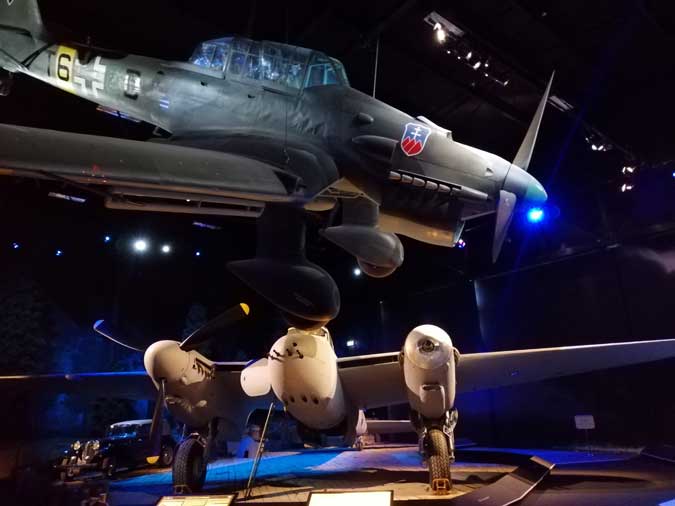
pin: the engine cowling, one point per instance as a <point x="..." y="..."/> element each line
<point x="304" y="376"/>
<point x="429" y="371"/>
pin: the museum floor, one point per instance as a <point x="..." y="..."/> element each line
<point x="578" y="478"/>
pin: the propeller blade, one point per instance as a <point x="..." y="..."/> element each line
<point x="212" y="327"/>
<point x="156" y="427"/>
<point x="524" y="154"/>
<point x="505" y="209"/>
<point x="109" y="333"/>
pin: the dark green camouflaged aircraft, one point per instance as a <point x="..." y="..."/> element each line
<point x="269" y="131"/>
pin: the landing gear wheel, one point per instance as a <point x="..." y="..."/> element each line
<point x="189" y="467"/>
<point x="166" y="456"/>
<point x="439" y="462"/>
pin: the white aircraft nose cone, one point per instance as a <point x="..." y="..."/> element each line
<point x="165" y="359"/>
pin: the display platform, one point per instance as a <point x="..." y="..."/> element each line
<point x="480" y="477"/>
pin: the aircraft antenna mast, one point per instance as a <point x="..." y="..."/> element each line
<point x="377" y="61"/>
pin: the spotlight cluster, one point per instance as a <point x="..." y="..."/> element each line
<point x="138" y="246"/>
<point x="455" y="42"/>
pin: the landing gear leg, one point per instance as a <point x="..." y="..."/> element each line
<point x="191" y="460"/>
<point x="438" y="443"/>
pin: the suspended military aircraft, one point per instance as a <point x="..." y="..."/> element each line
<point x="325" y="394"/>
<point x="269" y="131"/>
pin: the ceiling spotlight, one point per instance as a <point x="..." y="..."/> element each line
<point x="166" y="248"/>
<point x="506" y="83"/>
<point x="59" y="253"/>
<point x="441" y="35"/>
<point x="356" y="272"/>
<point x="140" y="245"/>
<point x="486" y="64"/>
<point x="672" y="175"/>
<point x="469" y="55"/>
<point x="476" y="65"/>
<point x="106" y="239"/>
<point x="198" y="253"/>
<point x="15" y="245"/>
<point x="461" y="244"/>
<point x="626" y="187"/>
<point x="628" y="169"/>
<point x="350" y="343"/>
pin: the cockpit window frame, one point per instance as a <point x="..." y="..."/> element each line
<point x="252" y="55"/>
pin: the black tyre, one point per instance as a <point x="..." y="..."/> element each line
<point x="109" y="466"/>
<point x="439" y="461"/>
<point x="166" y="455"/>
<point x="63" y="475"/>
<point x="189" y="466"/>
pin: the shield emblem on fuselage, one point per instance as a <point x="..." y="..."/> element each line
<point x="414" y="138"/>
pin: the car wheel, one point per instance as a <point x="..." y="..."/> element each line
<point x="166" y="456"/>
<point x="109" y="466"/>
<point x="63" y="475"/>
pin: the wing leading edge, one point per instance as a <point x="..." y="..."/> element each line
<point x="480" y="371"/>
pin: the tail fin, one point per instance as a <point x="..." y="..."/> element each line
<point x="22" y="15"/>
<point x="524" y="154"/>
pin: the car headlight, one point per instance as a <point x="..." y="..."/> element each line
<point x="77" y="445"/>
<point x="96" y="445"/>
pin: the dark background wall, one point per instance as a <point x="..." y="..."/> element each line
<point x="616" y="294"/>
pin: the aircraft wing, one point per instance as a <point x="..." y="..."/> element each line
<point x="135" y="385"/>
<point x="480" y="371"/>
<point x="149" y="169"/>
<point x="372" y="381"/>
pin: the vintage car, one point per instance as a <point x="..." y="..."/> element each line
<point x="125" y="446"/>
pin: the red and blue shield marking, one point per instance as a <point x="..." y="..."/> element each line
<point x="414" y="139"/>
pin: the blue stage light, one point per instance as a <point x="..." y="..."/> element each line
<point x="535" y="215"/>
<point x="106" y="239"/>
<point x="15" y="245"/>
<point x="59" y="253"/>
<point x="674" y="174"/>
<point x="461" y="244"/>
<point x="198" y="253"/>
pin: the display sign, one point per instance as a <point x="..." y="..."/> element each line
<point x="197" y="500"/>
<point x="584" y="422"/>
<point x="370" y="498"/>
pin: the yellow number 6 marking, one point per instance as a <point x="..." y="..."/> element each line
<point x="63" y="67"/>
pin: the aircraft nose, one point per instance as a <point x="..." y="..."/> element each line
<point x="535" y="192"/>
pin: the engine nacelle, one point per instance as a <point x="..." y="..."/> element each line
<point x="188" y="379"/>
<point x="304" y="376"/>
<point x="429" y="371"/>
